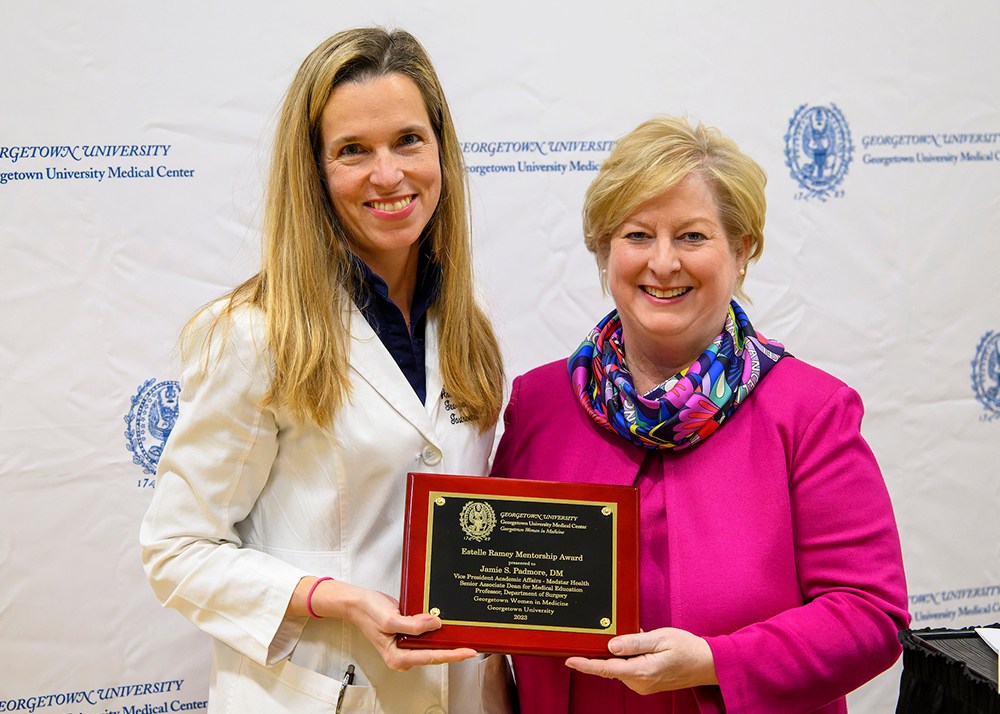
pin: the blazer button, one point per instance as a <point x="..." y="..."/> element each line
<point x="431" y="456"/>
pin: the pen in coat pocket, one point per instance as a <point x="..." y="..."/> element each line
<point x="348" y="679"/>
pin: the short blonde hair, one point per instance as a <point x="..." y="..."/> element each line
<point x="655" y="156"/>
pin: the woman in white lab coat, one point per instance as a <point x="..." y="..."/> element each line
<point x="356" y="355"/>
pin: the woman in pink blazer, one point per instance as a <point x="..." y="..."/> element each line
<point x="771" y="575"/>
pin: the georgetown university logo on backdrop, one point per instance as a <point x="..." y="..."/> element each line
<point x="986" y="375"/>
<point x="150" y="420"/>
<point x="818" y="150"/>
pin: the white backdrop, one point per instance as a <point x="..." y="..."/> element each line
<point x="889" y="281"/>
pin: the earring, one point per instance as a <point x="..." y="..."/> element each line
<point x="742" y="272"/>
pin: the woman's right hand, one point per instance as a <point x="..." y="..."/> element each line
<point x="377" y="616"/>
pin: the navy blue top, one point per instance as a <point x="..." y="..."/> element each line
<point x="372" y="298"/>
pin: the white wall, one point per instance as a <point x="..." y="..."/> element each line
<point x="891" y="284"/>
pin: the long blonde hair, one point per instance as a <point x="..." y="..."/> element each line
<point x="305" y="284"/>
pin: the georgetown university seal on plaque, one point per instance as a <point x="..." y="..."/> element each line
<point x="477" y="520"/>
<point x="149" y="422"/>
<point x="986" y="375"/>
<point x="818" y="150"/>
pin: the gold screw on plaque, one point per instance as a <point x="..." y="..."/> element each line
<point x="606" y="510"/>
<point x="439" y="500"/>
<point x="605" y="622"/>
<point x="437" y="613"/>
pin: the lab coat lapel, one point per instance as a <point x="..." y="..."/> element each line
<point x="432" y="368"/>
<point x="371" y="360"/>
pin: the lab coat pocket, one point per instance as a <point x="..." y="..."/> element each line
<point x="287" y="687"/>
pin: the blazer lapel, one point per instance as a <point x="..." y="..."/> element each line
<point x="371" y="360"/>
<point x="617" y="460"/>
<point x="548" y="678"/>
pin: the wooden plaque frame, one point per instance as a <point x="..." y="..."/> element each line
<point x="426" y="492"/>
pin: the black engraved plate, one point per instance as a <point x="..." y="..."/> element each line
<point x="521" y="563"/>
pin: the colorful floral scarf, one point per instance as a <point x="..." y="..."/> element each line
<point x="686" y="408"/>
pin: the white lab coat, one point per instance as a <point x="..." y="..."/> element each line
<point x="249" y="500"/>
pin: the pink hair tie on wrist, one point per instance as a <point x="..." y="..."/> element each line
<point x="309" y="598"/>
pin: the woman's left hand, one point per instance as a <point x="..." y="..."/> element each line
<point x="657" y="661"/>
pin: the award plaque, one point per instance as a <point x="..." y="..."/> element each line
<point x="523" y="567"/>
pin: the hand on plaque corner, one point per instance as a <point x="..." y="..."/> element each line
<point x="377" y="616"/>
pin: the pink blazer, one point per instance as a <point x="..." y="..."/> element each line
<point x="780" y="542"/>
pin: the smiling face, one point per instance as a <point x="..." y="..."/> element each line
<point x="672" y="271"/>
<point x="380" y="163"/>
